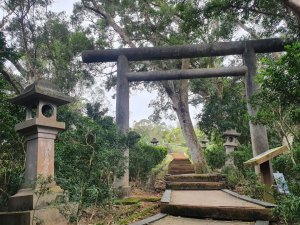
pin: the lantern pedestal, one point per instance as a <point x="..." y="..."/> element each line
<point x="39" y="189"/>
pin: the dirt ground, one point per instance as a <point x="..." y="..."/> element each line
<point x="140" y="205"/>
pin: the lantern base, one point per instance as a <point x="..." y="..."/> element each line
<point x="46" y="216"/>
<point x="32" y="199"/>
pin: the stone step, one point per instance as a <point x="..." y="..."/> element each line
<point x="174" y="220"/>
<point x="195" y="185"/>
<point x="177" y="172"/>
<point x="180" y="164"/>
<point x="214" y="204"/>
<point x="187" y="167"/>
<point x="181" y="159"/>
<point x="195" y="178"/>
<point x="224" y="213"/>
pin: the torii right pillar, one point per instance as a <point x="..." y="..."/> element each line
<point x="259" y="137"/>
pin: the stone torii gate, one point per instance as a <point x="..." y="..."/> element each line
<point x="247" y="49"/>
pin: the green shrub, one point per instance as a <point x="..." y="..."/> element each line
<point x="291" y="171"/>
<point x="241" y="154"/>
<point x="87" y="159"/>
<point x="12" y="149"/>
<point x="215" y="156"/>
<point x="288" y="209"/>
<point x="233" y="177"/>
<point x="144" y="157"/>
<point x="246" y="184"/>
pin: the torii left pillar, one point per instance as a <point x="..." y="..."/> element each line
<point x="121" y="184"/>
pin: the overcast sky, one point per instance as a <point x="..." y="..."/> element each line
<point x="139" y="100"/>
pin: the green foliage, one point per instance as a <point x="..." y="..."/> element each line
<point x="47" y="43"/>
<point x="241" y="154"/>
<point x="138" y="214"/>
<point x="291" y="171"/>
<point x="279" y="97"/>
<point x="5" y="52"/>
<point x="267" y="14"/>
<point x="247" y="184"/>
<point x="144" y="157"/>
<point x="288" y="206"/>
<point x="88" y="156"/>
<point x="288" y="209"/>
<point x="175" y="136"/>
<point x="224" y="109"/>
<point x="12" y="149"/>
<point x="148" y="129"/>
<point x="215" y="156"/>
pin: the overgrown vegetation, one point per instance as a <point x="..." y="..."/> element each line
<point x="89" y="154"/>
<point x="143" y="158"/>
<point x="12" y="149"/>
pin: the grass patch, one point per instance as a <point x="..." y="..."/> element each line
<point x="127" y="201"/>
<point x="135" y="200"/>
<point x="146" y="212"/>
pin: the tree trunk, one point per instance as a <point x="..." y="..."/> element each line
<point x="179" y="98"/>
<point x="178" y="95"/>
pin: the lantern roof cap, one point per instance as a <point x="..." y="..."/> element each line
<point x="41" y="90"/>
<point x="154" y="140"/>
<point x="231" y="132"/>
<point x="204" y="139"/>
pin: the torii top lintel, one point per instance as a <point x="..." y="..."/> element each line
<point x="183" y="51"/>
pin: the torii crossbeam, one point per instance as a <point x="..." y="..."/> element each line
<point x="247" y="49"/>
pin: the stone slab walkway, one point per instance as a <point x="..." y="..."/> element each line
<point x="209" y="198"/>
<point x="172" y="220"/>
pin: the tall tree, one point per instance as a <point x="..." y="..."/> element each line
<point x="265" y="18"/>
<point x="152" y="23"/>
<point x="46" y="44"/>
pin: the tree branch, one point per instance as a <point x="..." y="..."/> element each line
<point x="19" y="67"/>
<point x="8" y="77"/>
<point x="109" y="20"/>
<point x="248" y="30"/>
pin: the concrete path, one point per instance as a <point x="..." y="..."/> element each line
<point x="172" y="220"/>
<point x="209" y="198"/>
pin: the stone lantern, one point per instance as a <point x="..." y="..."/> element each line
<point x="40" y="129"/>
<point x="204" y="142"/>
<point x="154" y="141"/>
<point x="230" y="144"/>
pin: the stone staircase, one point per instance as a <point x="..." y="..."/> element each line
<point x="193" y="199"/>
<point x="195" y="182"/>
<point x="180" y="166"/>
<point x="204" y="196"/>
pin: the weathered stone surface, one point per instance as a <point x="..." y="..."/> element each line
<point x="180" y="165"/>
<point x="173" y="220"/>
<point x="213" y="204"/>
<point x="224" y="213"/>
<point x="41" y="90"/>
<point x="48" y="216"/>
<point x="194" y="178"/>
<point x="29" y="199"/>
<point x="33" y="201"/>
<point x="195" y="185"/>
